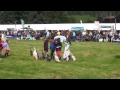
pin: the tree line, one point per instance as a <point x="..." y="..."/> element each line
<point x="45" y="17"/>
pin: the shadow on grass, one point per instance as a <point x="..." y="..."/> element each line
<point x="3" y="56"/>
<point x="117" y="56"/>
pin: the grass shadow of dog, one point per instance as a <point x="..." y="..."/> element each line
<point x="117" y="56"/>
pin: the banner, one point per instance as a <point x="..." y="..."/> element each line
<point x="77" y="28"/>
<point x="22" y="22"/>
<point x="103" y="26"/>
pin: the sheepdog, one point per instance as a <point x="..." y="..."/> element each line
<point x="69" y="56"/>
<point x="35" y="54"/>
<point x="41" y="56"/>
<point x="56" y="57"/>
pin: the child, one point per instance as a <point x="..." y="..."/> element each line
<point x="58" y="48"/>
<point x="6" y="46"/>
<point x="67" y="54"/>
<point x="1" y="47"/>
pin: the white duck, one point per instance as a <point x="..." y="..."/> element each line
<point x="56" y="57"/>
<point x="35" y="55"/>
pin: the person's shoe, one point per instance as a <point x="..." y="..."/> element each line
<point x="53" y="58"/>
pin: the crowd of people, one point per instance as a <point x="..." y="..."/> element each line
<point x="86" y="35"/>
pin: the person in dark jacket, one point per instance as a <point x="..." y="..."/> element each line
<point x="58" y="48"/>
<point x="52" y="48"/>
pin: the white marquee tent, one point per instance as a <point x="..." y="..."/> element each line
<point x="64" y="26"/>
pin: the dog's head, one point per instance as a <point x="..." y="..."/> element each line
<point x="48" y="57"/>
<point x="34" y="49"/>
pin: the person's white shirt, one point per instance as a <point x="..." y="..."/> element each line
<point x="62" y="38"/>
<point x="111" y="33"/>
<point x="3" y="37"/>
<point x="83" y="33"/>
<point x="74" y="34"/>
<point x="47" y="35"/>
<point x="6" y="46"/>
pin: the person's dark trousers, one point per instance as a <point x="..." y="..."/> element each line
<point x="110" y="38"/>
<point x="103" y="38"/>
<point x="52" y="56"/>
<point x="74" y="38"/>
<point x="81" y="38"/>
<point x="0" y="55"/>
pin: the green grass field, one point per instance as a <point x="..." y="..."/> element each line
<point x="95" y="60"/>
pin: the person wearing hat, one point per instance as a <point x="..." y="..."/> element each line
<point x="58" y="48"/>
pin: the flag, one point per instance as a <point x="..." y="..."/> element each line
<point x="22" y="22"/>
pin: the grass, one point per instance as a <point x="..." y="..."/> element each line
<point x="95" y="60"/>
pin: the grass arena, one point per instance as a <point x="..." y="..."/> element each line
<point x="94" y="60"/>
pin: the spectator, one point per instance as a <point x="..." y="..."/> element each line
<point x="74" y="36"/>
<point x="58" y="33"/>
<point x="1" y="47"/>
